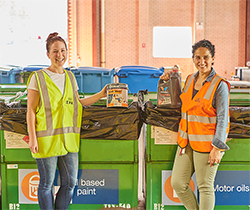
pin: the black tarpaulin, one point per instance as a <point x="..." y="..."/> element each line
<point x="164" y="117"/>
<point x="111" y="123"/>
<point x="125" y="123"/>
<point x="14" y="119"/>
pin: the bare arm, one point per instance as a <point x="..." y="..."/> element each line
<point x="32" y="104"/>
<point x="94" y="98"/>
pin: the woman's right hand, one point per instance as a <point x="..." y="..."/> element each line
<point x="33" y="145"/>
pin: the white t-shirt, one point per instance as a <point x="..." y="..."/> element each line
<point x="58" y="79"/>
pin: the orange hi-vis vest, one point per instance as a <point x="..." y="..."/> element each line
<point x="198" y="117"/>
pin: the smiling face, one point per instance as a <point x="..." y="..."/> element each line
<point x="57" y="54"/>
<point x="203" y="60"/>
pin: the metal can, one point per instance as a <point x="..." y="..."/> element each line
<point x="117" y="95"/>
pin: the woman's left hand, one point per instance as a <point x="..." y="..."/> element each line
<point x="214" y="157"/>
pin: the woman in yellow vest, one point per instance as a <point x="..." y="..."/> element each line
<point x="202" y="131"/>
<point x="54" y="114"/>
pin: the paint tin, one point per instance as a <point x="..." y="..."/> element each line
<point x="117" y="95"/>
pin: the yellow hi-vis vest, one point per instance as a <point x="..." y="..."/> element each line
<point x="198" y="117"/>
<point x="58" y="119"/>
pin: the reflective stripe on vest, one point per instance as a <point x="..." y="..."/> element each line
<point x="190" y="80"/>
<point x="211" y="87"/>
<point x="49" y="122"/>
<point x="195" y="118"/>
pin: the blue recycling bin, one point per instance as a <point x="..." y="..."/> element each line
<point x="140" y="77"/>
<point x="10" y="74"/>
<point x="92" y="79"/>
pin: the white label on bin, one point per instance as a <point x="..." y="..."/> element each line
<point x="12" y="166"/>
<point x="163" y="136"/>
<point x="14" y="140"/>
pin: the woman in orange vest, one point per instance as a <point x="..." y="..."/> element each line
<point x="202" y="130"/>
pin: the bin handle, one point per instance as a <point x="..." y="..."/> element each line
<point x="105" y="74"/>
<point x="4" y="73"/>
<point x="124" y="75"/>
<point x="156" y="75"/>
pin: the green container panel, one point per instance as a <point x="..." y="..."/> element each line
<point x="92" y="150"/>
<point x="239" y="151"/>
<point x="159" y="152"/>
<point x="154" y="185"/>
<point x="17" y="155"/>
<point x="128" y="186"/>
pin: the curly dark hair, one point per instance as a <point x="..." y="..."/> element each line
<point x="53" y="37"/>
<point x="204" y="43"/>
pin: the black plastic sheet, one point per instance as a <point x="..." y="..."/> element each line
<point x="164" y="117"/>
<point x="111" y="123"/>
<point x="97" y="122"/>
<point x="169" y="119"/>
<point x="239" y="122"/>
<point x="3" y="107"/>
<point x="125" y="123"/>
<point x="14" y="119"/>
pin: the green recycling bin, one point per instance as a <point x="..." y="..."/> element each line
<point x="233" y="173"/>
<point x="107" y="175"/>
<point x="111" y="163"/>
<point x="160" y="155"/>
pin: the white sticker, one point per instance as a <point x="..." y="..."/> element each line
<point x="14" y="140"/>
<point x="163" y="135"/>
<point x="12" y="166"/>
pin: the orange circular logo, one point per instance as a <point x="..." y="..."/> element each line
<point x="30" y="184"/>
<point x="170" y="191"/>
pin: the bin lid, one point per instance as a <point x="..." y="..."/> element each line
<point x="90" y="69"/>
<point x="139" y="70"/>
<point x="34" y="67"/>
<point x="13" y="87"/>
<point x="10" y="68"/>
<point x="239" y="99"/>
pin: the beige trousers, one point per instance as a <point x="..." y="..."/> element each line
<point x="184" y="167"/>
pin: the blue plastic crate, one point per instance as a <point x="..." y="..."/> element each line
<point x="10" y="74"/>
<point x="92" y="79"/>
<point x="140" y="77"/>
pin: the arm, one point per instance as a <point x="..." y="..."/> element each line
<point x="32" y="104"/>
<point x="221" y="104"/>
<point x="94" y="98"/>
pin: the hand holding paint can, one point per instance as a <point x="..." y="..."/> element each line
<point x="117" y="95"/>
